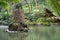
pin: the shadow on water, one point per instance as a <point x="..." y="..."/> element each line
<point x="17" y="36"/>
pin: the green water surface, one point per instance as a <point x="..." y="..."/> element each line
<point x="37" y="33"/>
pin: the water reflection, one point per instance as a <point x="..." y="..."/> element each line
<point x="17" y="36"/>
<point x="38" y="33"/>
<point x="45" y="33"/>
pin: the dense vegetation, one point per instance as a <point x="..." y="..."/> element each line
<point x="34" y="11"/>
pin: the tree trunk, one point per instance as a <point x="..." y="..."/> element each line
<point x="28" y="4"/>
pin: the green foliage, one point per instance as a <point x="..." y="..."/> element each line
<point x="55" y="6"/>
<point x="36" y="12"/>
<point x="43" y="20"/>
<point x="4" y="4"/>
<point x="15" y="1"/>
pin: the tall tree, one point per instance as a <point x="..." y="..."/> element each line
<point x="28" y="4"/>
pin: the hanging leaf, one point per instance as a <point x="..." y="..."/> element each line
<point x="55" y="6"/>
<point x="15" y="1"/>
<point x="5" y="5"/>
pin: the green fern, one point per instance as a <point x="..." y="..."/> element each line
<point x="55" y="6"/>
<point x="6" y="5"/>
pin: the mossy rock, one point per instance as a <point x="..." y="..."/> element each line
<point x="14" y="27"/>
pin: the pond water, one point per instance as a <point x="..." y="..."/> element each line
<point x="37" y="33"/>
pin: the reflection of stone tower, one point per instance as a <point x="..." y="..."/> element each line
<point x="17" y="36"/>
